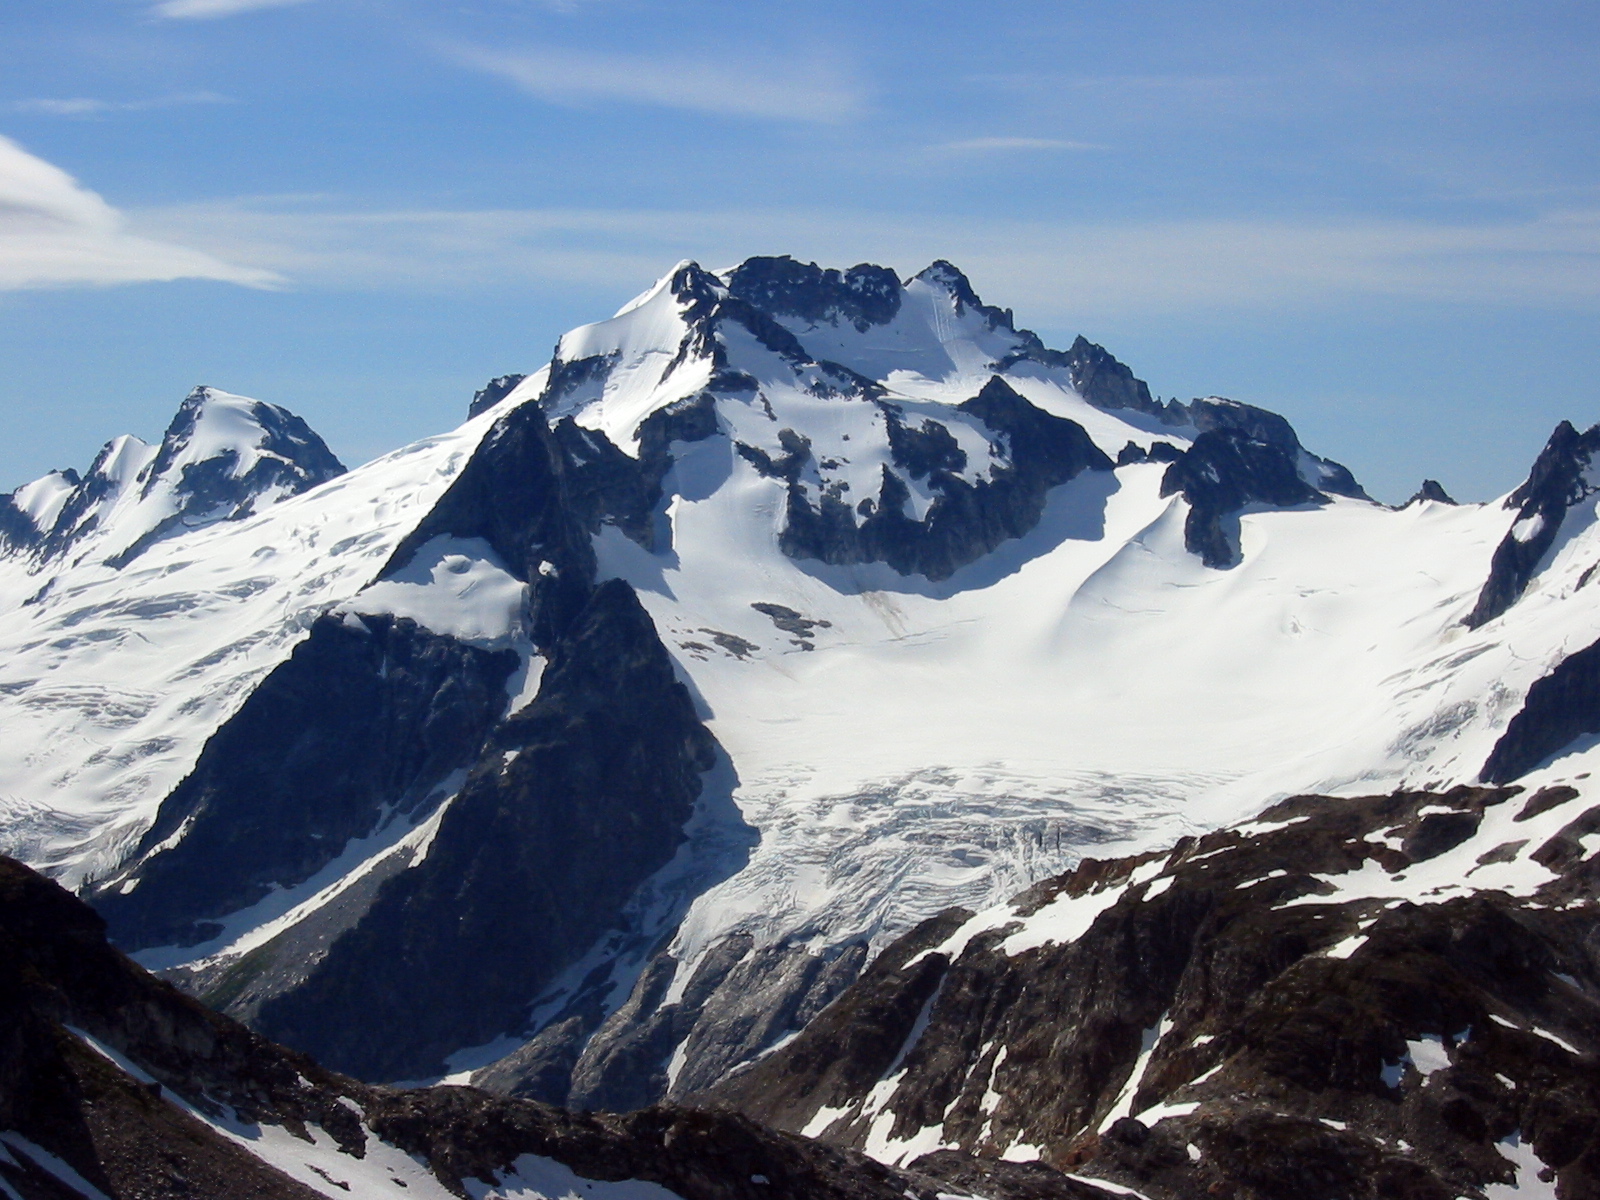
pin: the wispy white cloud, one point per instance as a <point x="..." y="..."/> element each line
<point x="985" y="145"/>
<point x="1052" y="272"/>
<point x="55" y="232"/>
<point x="207" y="9"/>
<point x="84" y="106"/>
<point x="730" y="85"/>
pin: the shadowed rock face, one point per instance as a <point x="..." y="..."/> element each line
<point x="366" y="718"/>
<point x="864" y="295"/>
<point x="1559" y="480"/>
<point x="491" y="393"/>
<point x="1559" y="709"/>
<point x="1431" y="489"/>
<point x="579" y="798"/>
<point x="17" y="532"/>
<point x="127" y="1137"/>
<point x="513" y="495"/>
<point x="1276" y="1042"/>
<point x="1222" y="472"/>
<point x="966" y="519"/>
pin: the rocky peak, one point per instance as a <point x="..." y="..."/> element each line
<point x="1562" y="475"/>
<point x="1431" y="489"/>
<point x="865" y="295"/>
<point x="947" y="276"/>
<point x="1244" y="455"/>
<point x="223" y="457"/>
<point x="491" y="393"/>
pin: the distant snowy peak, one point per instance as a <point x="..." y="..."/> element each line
<point x="223" y="457"/>
<point x="907" y="423"/>
<point x="33" y="508"/>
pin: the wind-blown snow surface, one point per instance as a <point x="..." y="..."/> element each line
<point x="112" y="679"/>
<point x="898" y="745"/>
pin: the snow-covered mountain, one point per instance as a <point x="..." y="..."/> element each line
<point x="598" y="745"/>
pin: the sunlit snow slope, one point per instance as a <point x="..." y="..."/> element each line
<point x="113" y="676"/>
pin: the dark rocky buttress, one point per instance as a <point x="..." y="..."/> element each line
<point x="1559" y="479"/>
<point x="1244" y="455"/>
<point x="1273" y="1034"/>
<point x="1559" y="709"/>
<point x="865" y="295"/>
<point x="491" y="393"/>
<point x="579" y="798"/>
<point x="966" y="520"/>
<point x="366" y="717"/>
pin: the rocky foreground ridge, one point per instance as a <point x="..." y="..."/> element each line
<point x="115" y="1084"/>
<point x="1387" y="996"/>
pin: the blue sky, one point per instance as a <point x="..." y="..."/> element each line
<point x="1380" y="220"/>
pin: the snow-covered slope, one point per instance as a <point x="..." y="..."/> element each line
<point x="115" y="669"/>
<point x="956" y="608"/>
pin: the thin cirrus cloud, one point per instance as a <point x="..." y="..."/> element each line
<point x="200" y="10"/>
<point x="727" y="86"/>
<point x="84" y="106"/>
<point x="54" y="232"/>
<point x="1057" y="271"/>
<point x="988" y="145"/>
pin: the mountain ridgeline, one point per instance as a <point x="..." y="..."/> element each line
<point x="682" y="726"/>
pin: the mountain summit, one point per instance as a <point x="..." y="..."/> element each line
<point x="223" y="457"/>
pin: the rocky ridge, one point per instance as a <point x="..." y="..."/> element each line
<point x="114" y="1084"/>
<point x="1372" y="997"/>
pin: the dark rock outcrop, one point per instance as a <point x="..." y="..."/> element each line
<point x="1222" y="472"/>
<point x="579" y="798"/>
<point x="17" y="530"/>
<point x="134" y="1128"/>
<point x="513" y="495"/>
<point x="1244" y="455"/>
<point x="1559" y="480"/>
<point x="1096" y="375"/>
<point x="966" y="519"/>
<point x="491" y="393"/>
<point x="1431" y="489"/>
<point x="607" y="486"/>
<point x="365" y="720"/>
<point x="1227" y="1024"/>
<point x="1559" y="709"/>
<point x="865" y="295"/>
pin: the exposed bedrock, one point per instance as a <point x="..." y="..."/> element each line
<point x="1431" y="489"/>
<point x="966" y="519"/>
<point x="1560" y="708"/>
<point x="366" y="718"/>
<point x="491" y="393"/>
<point x="578" y="799"/>
<point x="865" y="295"/>
<point x="1225" y="1023"/>
<point x="513" y="495"/>
<point x="1244" y="455"/>
<point x="740" y="1000"/>
<point x="147" y="1125"/>
<point x="1559" y="479"/>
